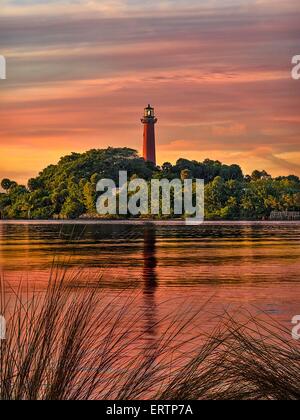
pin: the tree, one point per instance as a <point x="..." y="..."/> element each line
<point x="231" y="210"/>
<point x="68" y="189"/>
<point x="256" y="175"/>
<point x="297" y="200"/>
<point x="167" y="167"/>
<point x="34" y="184"/>
<point x="185" y="174"/>
<point x="72" y="208"/>
<point x="215" y="197"/>
<point x="236" y="172"/>
<point x="89" y="194"/>
<point x="6" y="184"/>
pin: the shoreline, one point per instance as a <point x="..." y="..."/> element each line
<point x="150" y="222"/>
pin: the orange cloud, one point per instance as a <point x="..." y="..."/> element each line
<point x="218" y="75"/>
<point x="234" y="129"/>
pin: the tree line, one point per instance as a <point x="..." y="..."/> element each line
<point x="68" y="189"/>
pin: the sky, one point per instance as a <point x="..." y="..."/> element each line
<point x="218" y="73"/>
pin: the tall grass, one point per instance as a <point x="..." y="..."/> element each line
<point x="71" y="344"/>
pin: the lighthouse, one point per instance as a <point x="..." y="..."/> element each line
<point x="149" y="120"/>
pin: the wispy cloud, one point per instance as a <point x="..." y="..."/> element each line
<point x="218" y="72"/>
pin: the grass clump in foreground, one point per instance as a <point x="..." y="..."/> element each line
<point x="69" y="344"/>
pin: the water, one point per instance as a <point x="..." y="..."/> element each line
<point x="217" y="266"/>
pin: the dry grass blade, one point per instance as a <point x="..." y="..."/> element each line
<point x="67" y="343"/>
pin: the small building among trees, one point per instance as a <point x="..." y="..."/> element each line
<point x="285" y="215"/>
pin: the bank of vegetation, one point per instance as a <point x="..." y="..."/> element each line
<point x="68" y="190"/>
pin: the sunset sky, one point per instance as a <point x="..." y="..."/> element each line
<point x="217" y="71"/>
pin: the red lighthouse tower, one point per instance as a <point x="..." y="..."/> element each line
<point x="149" y="120"/>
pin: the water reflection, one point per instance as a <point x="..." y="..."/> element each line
<point x="150" y="284"/>
<point x="239" y="263"/>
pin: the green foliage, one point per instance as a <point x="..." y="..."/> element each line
<point x="256" y="175"/>
<point x="6" y="184"/>
<point x="72" y="208"/>
<point x="68" y="189"/>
